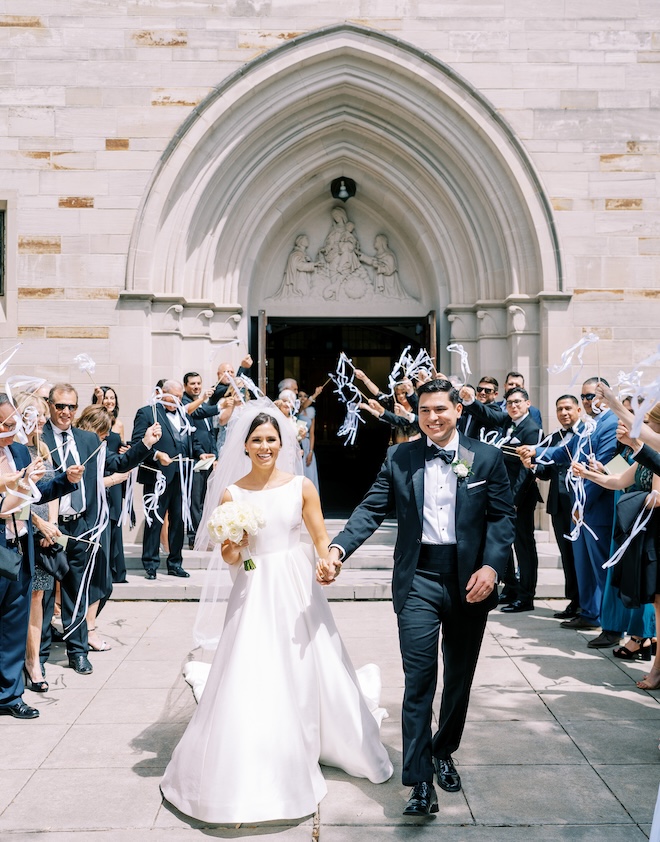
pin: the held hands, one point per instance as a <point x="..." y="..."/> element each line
<point x="527" y="454"/>
<point x="152" y="435"/>
<point x="50" y="532"/>
<point x="327" y="569"/>
<point x="480" y="584"/>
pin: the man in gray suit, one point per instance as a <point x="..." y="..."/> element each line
<point x="455" y="518"/>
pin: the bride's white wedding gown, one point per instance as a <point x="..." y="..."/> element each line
<point x="282" y="694"/>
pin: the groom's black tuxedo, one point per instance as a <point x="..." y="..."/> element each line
<point x="423" y="601"/>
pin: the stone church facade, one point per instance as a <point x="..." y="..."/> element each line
<point x="166" y="172"/>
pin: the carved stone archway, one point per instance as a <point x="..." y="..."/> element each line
<point x="436" y="168"/>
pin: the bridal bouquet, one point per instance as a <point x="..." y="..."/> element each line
<point x="230" y="520"/>
<point x="301" y="429"/>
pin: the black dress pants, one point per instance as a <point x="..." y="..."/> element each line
<point x="435" y="601"/>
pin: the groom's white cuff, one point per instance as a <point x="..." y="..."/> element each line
<point x="342" y="551"/>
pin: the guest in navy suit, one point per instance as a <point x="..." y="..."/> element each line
<point x="16" y="534"/>
<point x="590" y="552"/>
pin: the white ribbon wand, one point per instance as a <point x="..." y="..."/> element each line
<point x="454" y="348"/>
<point x="569" y="353"/>
<point x="8" y="354"/>
<point x="86" y="363"/>
<point x="150" y="501"/>
<point x="344" y="383"/>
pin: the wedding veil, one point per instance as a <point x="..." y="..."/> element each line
<point x="233" y="463"/>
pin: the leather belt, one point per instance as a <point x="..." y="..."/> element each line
<point x="69" y="518"/>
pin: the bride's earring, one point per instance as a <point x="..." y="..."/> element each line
<point x="246" y="453"/>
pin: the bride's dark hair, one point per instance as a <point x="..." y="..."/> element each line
<point x="263" y="418"/>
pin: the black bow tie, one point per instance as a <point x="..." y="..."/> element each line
<point x="447" y="456"/>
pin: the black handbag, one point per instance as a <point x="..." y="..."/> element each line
<point x="10" y="560"/>
<point x="52" y="558"/>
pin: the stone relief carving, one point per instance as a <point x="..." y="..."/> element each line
<point x="339" y="272"/>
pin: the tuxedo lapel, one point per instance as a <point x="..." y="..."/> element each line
<point x="48" y="438"/>
<point x="417" y="454"/>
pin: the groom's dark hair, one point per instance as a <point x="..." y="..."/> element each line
<point x="264" y="418"/>
<point x="439" y="385"/>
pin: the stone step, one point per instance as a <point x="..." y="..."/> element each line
<point x="351" y="585"/>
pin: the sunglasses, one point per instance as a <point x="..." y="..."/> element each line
<point x="588" y="397"/>
<point x="60" y="407"/>
<point x="488" y="390"/>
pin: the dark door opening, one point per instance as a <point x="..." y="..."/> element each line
<point x="308" y="349"/>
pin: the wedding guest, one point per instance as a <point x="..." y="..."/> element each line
<point x="642" y="480"/>
<point x="591" y="546"/>
<point x="179" y="442"/>
<point x="16" y="534"/>
<point x="226" y="373"/>
<point x="34" y="411"/>
<point x="308" y="416"/>
<point x="486" y="394"/>
<point x="515" y="378"/>
<point x="560" y="500"/>
<point x="398" y="410"/>
<point x="107" y="396"/>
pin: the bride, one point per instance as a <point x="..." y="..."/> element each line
<point x="282" y="695"/>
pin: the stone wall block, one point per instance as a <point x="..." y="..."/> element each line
<point x="649" y="245"/>
<point x="73" y="160"/>
<point x="159" y="38"/>
<point x="601" y="76"/>
<point x="76" y="202"/>
<point x="622" y="185"/>
<point x="624" y="204"/>
<point x="130" y="160"/>
<point x="39" y="245"/>
<point x="73" y="183"/>
<point x="40" y="292"/>
<point x="31" y="122"/>
<point x="33" y="95"/>
<point x="578" y="99"/>
<point x="21" y="22"/>
<point x="75" y="332"/>
<point x="623" y="99"/>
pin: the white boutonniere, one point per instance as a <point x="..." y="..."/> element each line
<point x="461" y="468"/>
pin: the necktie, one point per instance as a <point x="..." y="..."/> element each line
<point x="76" y="496"/>
<point x="447" y="456"/>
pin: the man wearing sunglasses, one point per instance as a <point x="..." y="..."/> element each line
<point x="590" y="551"/>
<point x="77" y="511"/>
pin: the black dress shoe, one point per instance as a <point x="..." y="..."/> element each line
<point x="81" y="664"/>
<point x="580" y="623"/>
<point x="19" y="710"/>
<point x="178" y="571"/>
<point x="604" y="640"/>
<point x="517" y="606"/>
<point x="448" y="777"/>
<point x="150" y="574"/>
<point x="568" y="613"/>
<point x="423" y="800"/>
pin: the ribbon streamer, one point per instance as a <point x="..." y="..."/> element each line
<point x="454" y="348"/>
<point x="349" y="394"/>
<point x="407" y="366"/>
<point x="127" y="516"/>
<point x="93" y="535"/>
<point x="150" y="501"/>
<point x="186" y="480"/>
<point x="8" y="354"/>
<point x="569" y="353"/>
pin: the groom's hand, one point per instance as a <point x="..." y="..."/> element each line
<point x="481" y="584"/>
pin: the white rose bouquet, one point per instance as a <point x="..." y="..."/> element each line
<point x="230" y="520"/>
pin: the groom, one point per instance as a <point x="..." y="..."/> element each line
<point x="455" y="529"/>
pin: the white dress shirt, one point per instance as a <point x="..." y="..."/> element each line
<point x="70" y="451"/>
<point x="439" y="513"/>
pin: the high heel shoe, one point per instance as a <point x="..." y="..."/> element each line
<point x="35" y="686"/>
<point x="642" y="653"/>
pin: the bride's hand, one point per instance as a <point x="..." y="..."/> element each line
<point x="231" y="552"/>
<point x="327" y="571"/>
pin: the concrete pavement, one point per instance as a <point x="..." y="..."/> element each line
<point x="560" y="744"/>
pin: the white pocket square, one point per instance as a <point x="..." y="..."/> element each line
<point x="475" y="484"/>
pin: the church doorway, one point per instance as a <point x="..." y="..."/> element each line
<point x="308" y="350"/>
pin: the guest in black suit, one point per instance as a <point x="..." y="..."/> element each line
<point x="178" y="442"/>
<point x="202" y="415"/>
<point x="513" y="379"/>
<point x="17" y="535"/>
<point x="516" y="429"/>
<point x="455" y="529"/>
<point x="561" y="500"/>
<point x="486" y="394"/>
<point x="225" y="371"/>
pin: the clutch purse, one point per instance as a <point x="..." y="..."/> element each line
<point x="10" y="563"/>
